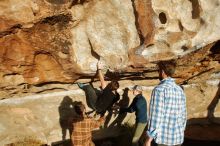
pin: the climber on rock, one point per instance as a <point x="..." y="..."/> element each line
<point x="104" y="100"/>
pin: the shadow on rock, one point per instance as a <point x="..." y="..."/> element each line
<point x="67" y="113"/>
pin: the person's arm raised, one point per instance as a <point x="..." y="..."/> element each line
<point x="101" y="77"/>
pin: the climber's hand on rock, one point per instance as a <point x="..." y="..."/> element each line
<point x="100" y="65"/>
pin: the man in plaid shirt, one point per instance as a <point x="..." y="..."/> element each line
<point x="167" y="119"/>
<point x="83" y="126"/>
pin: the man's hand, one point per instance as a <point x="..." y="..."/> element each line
<point x="148" y="141"/>
<point x="101" y="77"/>
<point x="102" y="119"/>
<point x="100" y="65"/>
<point x="115" y="107"/>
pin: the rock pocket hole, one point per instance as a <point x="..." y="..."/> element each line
<point x="216" y="48"/>
<point x="163" y="18"/>
<point x="184" y="48"/>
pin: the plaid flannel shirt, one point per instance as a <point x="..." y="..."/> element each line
<point x="167" y="119"/>
<point x="82" y="131"/>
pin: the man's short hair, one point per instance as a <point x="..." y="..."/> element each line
<point x="138" y="88"/>
<point x="114" y="85"/>
<point x="168" y="67"/>
<point x="79" y="108"/>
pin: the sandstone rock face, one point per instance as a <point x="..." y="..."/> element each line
<point x="47" y="45"/>
<point x="182" y="26"/>
<point x="123" y="34"/>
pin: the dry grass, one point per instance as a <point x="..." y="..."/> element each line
<point x="27" y="142"/>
